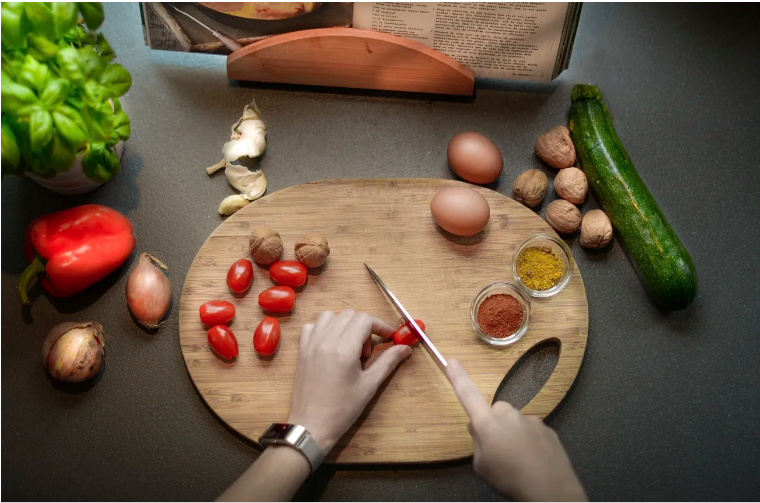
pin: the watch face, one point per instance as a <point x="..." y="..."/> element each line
<point x="280" y="428"/>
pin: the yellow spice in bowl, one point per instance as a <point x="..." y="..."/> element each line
<point x="539" y="268"/>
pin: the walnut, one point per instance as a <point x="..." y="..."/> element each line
<point x="530" y="187"/>
<point x="266" y="245"/>
<point x="571" y="185"/>
<point x="312" y="250"/>
<point x="556" y="148"/>
<point x="596" y="229"/>
<point x="563" y="216"/>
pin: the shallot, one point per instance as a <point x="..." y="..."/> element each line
<point x="149" y="292"/>
<point x="74" y="352"/>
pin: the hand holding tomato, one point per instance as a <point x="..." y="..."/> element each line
<point x="405" y="335"/>
<point x="331" y="389"/>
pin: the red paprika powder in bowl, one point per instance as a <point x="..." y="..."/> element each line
<point x="500" y="313"/>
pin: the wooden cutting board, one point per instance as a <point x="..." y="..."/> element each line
<point x="387" y="224"/>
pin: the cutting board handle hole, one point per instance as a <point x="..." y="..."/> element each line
<point x="529" y="374"/>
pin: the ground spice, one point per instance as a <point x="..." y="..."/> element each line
<point x="500" y="315"/>
<point x="539" y="268"/>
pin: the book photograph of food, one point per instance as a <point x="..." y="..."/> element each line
<point x="380" y="251"/>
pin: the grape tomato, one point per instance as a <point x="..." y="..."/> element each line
<point x="217" y="312"/>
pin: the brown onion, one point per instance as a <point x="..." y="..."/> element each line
<point x="74" y="352"/>
<point x="149" y="292"/>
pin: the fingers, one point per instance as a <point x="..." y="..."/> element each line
<point x="323" y="321"/>
<point x="361" y="327"/>
<point x="469" y="394"/>
<point x="337" y="326"/>
<point x="306" y="331"/>
<point x="367" y="348"/>
<point x="388" y="361"/>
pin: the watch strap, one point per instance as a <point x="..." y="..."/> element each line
<point x="295" y="436"/>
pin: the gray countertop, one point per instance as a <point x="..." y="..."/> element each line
<point x="665" y="405"/>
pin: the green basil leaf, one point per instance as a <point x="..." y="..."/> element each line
<point x="40" y="130"/>
<point x="64" y="17"/>
<point x="15" y="96"/>
<point x="122" y="126"/>
<point x="70" y="126"/>
<point x="75" y="35"/>
<point x="69" y="65"/>
<point x="11" y="156"/>
<point x="104" y="48"/>
<point x="11" y="66"/>
<point x="116" y="105"/>
<point x="27" y="110"/>
<point x="41" y="48"/>
<point x="75" y="102"/>
<point x="92" y="12"/>
<point x="58" y="155"/>
<point x="40" y="18"/>
<point x="55" y="92"/>
<point x="92" y="64"/>
<point x="117" y="79"/>
<point x="100" y="163"/>
<point x="94" y="92"/>
<point x="30" y="159"/>
<point x="12" y="29"/>
<point x="33" y="74"/>
<point x="97" y="118"/>
<point x="90" y="38"/>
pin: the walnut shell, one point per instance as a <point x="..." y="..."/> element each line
<point x="266" y="245"/>
<point x="596" y="229"/>
<point x="556" y="148"/>
<point x="563" y="216"/>
<point x="571" y="185"/>
<point x="530" y="187"/>
<point x="312" y="250"/>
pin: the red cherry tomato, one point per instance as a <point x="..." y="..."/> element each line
<point x="266" y="338"/>
<point x="405" y="335"/>
<point x="240" y="275"/>
<point x="223" y="341"/>
<point x="289" y="273"/>
<point x="217" y="312"/>
<point x="278" y="299"/>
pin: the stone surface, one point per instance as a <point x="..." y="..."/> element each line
<point x="665" y="406"/>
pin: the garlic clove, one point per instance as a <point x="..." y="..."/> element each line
<point x="232" y="203"/>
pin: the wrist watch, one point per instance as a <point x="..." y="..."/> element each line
<point x="295" y="436"/>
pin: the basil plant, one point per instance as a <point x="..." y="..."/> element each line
<point x="60" y="91"/>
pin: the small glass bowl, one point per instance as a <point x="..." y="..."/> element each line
<point x="559" y="248"/>
<point x="494" y="288"/>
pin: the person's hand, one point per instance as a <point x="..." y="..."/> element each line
<point x="518" y="455"/>
<point x="331" y="389"/>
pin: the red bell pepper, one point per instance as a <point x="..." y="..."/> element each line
<point x="75" y="248"/>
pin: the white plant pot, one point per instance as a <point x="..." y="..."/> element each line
<point x="73" y="181"/>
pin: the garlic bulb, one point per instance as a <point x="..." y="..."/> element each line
<point x="248" y="139"/>
<point x="252" y="184"/>
<point x="74" y="352"/>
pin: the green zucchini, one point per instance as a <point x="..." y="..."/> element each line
<point x="658" y="255"/>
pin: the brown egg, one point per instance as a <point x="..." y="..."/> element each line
<point x="475" y="158"/>
<point x="460" y="210"/>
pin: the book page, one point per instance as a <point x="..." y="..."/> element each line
<point x="501" y="40"/>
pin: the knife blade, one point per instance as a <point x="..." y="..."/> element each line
<point x="426" y="342"/>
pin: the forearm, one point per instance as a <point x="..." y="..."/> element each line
<point x="275" y="476"/>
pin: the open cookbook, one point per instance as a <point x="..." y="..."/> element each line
<point x="500" y="40"/>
